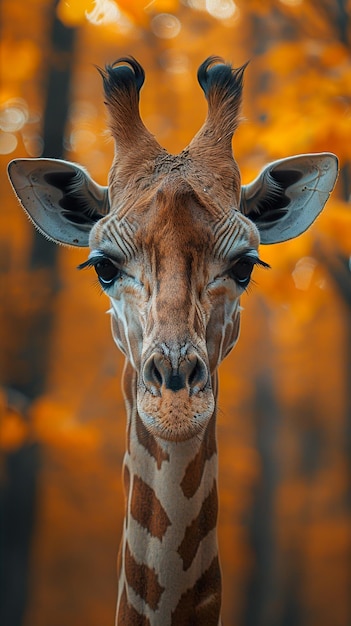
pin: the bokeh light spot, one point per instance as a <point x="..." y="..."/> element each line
<point x="104" y="12"/>
<point x="33" y="144"/>
<point x="165" y="26"/>
<point x="82" y="139"/>
<point x="13" y="115"/>
<point x="303" y="272"/>
<point x="174" y="61"/>
<point x="8" y="143"/>
<point x="221" y="9"/>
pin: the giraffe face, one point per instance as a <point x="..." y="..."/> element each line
<point x="174" y="238"/>
<point x="174" y="270"/>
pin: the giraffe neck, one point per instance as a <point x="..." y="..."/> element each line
<point x="168" y="560"/>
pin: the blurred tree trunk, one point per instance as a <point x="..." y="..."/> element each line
<point x="26" y="370"/>
<point x="338" y="264"/>
<point x="43" y="257"/>
<point x="263" y="585"/>
<point x="339" y="269"/>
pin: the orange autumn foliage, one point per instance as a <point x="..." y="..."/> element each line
<point x="283" y="423"/>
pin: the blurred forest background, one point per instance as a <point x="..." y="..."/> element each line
<point x="285" y="391"/>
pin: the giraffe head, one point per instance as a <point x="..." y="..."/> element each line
<point x="174" y="238"/>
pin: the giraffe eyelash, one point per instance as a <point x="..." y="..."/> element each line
<point x="262" y="263"/>
<point x="91" y="261"/>
<point x="85" y="264"/>
<point x="252" y="283"/>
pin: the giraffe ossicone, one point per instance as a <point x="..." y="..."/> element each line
<point x="174" y="240"/>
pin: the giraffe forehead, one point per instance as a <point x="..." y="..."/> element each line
<point x="193" y="241"/>
<point x="174" y="222"/>
<point x="176" y="216"/>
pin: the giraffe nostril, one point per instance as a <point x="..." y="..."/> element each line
<point x="156" y="374"/>
<point x="197" y="374"/>
<point x="152" y="375"/>
<point x="191" y="374"/>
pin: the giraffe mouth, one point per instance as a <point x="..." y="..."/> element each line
<point x="175" y="415"/>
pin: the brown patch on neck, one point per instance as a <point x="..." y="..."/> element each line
<point x="143" y="580"/>
<point x="147" y="510"/>
<point x="199" y="528"/>
<point x="194" y="472"/>
<point x="127" y="614"/>
<point x="202" y="603"/>
<point x="150" y="444"/>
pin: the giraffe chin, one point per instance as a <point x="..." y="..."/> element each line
<point x="175" y="415"/>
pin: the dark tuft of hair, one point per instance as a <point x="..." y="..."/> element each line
<point x="123" y="75"/>
<point x="214" y="73"/>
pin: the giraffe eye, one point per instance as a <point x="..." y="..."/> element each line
<point x="242" y="270"/>
<point x="106" y="271"/>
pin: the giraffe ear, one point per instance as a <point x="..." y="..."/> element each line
<point x="289" y="194"/>
<point x="60" y="198"/>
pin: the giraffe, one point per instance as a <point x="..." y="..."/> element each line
<point x="173" y="240"/>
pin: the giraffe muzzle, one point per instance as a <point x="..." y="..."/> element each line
<point x="175" y="398"/>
